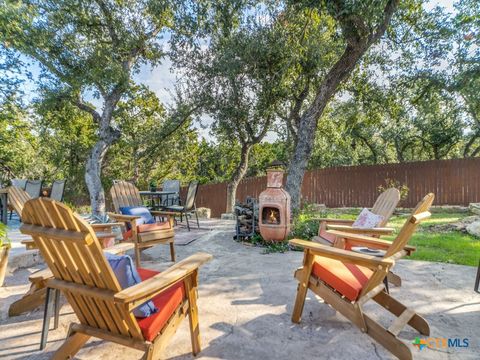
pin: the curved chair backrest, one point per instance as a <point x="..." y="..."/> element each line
<point x="191" y="195"/>
<point x="34" y="188"/>
<point x="419" y="214"/>
<point x="74" y="255"/>
<point x="58" y="188"/>
<point x="20" y="183"/>
<point x="125" y="194"/>
<point x="386" y="204"/>
<point x="17" y="198"/>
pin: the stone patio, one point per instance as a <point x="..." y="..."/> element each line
<point x="245" y="304"/>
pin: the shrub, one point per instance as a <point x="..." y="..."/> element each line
<point x="392" y="183"/>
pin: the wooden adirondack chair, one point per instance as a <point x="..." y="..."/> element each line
<point x="144" y="236"/>
<point x="384" y="205"/>
<point x="346" y="280"/>
<point x="17" y="198"/>
<point x="74" y="255"/>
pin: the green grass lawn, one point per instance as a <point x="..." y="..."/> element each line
<point x="452" y="247"/>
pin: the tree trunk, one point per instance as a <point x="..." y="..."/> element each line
<point x="93" y="169"/>
<point x="357" y="45"/>
<point x="308" y="123"/>
<point x="238" y="175"/>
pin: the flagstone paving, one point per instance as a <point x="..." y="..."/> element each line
<point x="245" y="303"/>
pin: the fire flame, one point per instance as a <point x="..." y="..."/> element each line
<point x="272" y="217"/>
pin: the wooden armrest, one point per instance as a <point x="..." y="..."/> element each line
<point x="357" y="239"/>
<point x="105" y="225"/>
<point x="119" y="248"/>
<point x="123" y="218"/>
<point x="147" y="289"/>
<point x="342" y="255"/>
<point x="339" y="221"/>
<point x="40" y="275"/>
<point x="420" y="217"/>
<point x="372" y="231"/>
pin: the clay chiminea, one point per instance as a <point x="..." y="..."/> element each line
<point x="274" y="204"/>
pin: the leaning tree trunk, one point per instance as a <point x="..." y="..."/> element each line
<point x="357" y="45"/>
<point x="238" y="175"/>
<point x="308" y="123"/>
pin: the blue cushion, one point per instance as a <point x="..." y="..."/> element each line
<point x="142" y="211"/>
<point x="127" y="275"/>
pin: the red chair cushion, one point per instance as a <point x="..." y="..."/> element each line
<point x="324" y="235"/>
<point x="166" y="303"/>
<point x="159" y="225"/>
<point x="347" y="279"/>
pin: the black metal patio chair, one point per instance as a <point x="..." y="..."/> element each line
<point x="188" y="205"/>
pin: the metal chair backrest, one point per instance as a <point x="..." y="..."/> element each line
<point x="171" y="185"/>
<point x="74" y="255"/>
<point x="34" y="188"/>
<point x="57" y="191"/>
<point x="20" y="183"/>
<point x="125" y="194"/>
<point x="385" y="204"/>
<point x="191" y="195"/>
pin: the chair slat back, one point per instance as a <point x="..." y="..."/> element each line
<point x="385" y="204"/>
<point x="17" y="198"/>
<point x="191" y="195"/>
<point x="34" y="188"/>
<point x="74" y="255"/>
<point x="58" y="188"/>
<point x="125" y="194"/>
<point x="420" y="211"/>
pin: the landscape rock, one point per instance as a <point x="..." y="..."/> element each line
<point x="474" y="228"/>
<point x="474" y="208"/>
<point x="319" y="207"/>
<point x="228" y="216"/>
<point x="204" y="213"/>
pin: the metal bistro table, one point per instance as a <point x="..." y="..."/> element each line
<point x="152" y="195"/>
<point x="4" y="208"/>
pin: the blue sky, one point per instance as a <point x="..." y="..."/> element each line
<point x="161" y="79"/>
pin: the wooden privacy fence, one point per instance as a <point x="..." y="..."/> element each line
<point x="454" y="182"/>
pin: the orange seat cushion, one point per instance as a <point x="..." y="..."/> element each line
<point x="159" y="225"/>
<point x="347" y="279"/>
<point x="166" y="303"/>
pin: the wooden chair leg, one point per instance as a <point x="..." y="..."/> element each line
<point x="71" y="346"/>
<point x="137" y="255"/>
<point x="193" y="313"/>
<point x="394" y="279"/>
<point x="302" y="287"/>
<point x="31" y="300"/>
<point x="172" y="251"/>
<point x="397" y="308"/>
